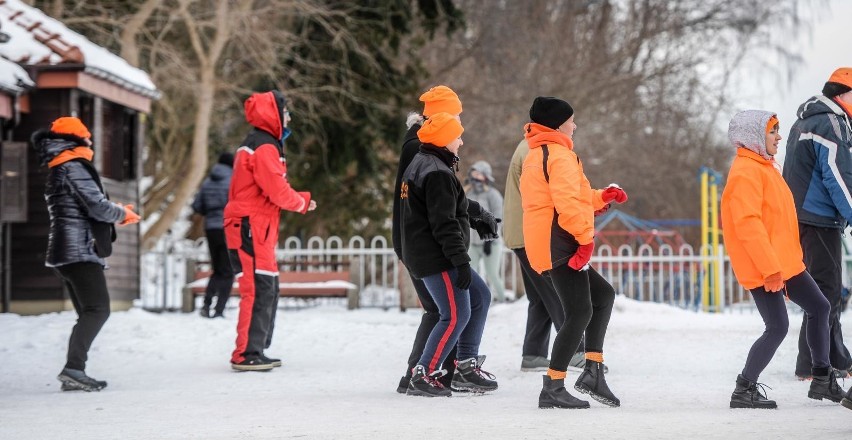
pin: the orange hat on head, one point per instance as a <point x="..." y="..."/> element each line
<point x="441" y="99"/>
<point x="843" y="76"/>
<point x="773" y="121"/>
<point x="70" y="125"/>
<point x="440" y="129"/>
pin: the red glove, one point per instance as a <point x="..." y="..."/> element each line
<point x="582" y="256"/>
<point x="614" y="193"/>
<point x="603" y="210"/>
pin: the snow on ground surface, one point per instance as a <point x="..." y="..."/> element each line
<point x="169" y="378"/>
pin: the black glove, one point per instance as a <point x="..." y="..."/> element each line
<point x="486" y="226"/>
<point x="486" y="247"/>
<point x="463" y="277"/>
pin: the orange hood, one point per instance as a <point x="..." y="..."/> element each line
<point x="537" y="134"/>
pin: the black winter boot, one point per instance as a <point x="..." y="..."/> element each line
<point x="426" y="385"/>
<point x="847" y="400"/>
<point x="471" y="377"/>
<point x="274" y="361"/>
<point x="74" y="380"/>
<point x="554" y="395"/>
<point x="746" y="395"/>
<point x="826" y="387"/>
<point x="403" y="384"/>
<point x="593" y="383"/>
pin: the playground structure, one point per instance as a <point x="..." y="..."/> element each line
<point x="712" y="253"/>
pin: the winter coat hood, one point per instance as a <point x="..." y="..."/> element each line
<point x="537" y="134"/>
<point x="818" y="105"/>
<point x="747" y="129"/>
<point x="265" y="112"/>
<point x="49" y="144"/>
<point x="484" y="168"/>
<point x="220" y="172"/>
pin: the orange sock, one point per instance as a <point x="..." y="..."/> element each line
<point x="594" y="356"/>
<point x="555" y="374"/>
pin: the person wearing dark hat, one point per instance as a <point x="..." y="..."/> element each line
<point x="559" y="208"/>
<point x="435" y="236"/>
<point x="818" y="169"/>
<point x="210" y="202"/>
<point x="81" y="235"/>
<point x="259" y="191"/>
<point x="438" y="99"/>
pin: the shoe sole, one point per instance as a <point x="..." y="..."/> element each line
<point x="471" y="389"/>
<point x="266" y="367"/>
<point x="816" y="396"/>
<point x="71" y="384"/>
<point x="738" y="405"/>
<point x="556" y="405"/>
<point x="846" y="402"/>
<point x="276" y="364"/>
<point x="418" y="393"/>
<point x="597" y="397"/>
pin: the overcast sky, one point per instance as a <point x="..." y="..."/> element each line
<point x="827" y="47"/>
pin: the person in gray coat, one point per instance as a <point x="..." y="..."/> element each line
<point x="210" y="202"/>
<point x="490" y="252"/>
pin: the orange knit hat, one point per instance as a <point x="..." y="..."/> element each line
<point x="773" y="121"/>
<point x="843" y="76"/>
<point x="441" y="99"/>
<point x="70" y="125"/>
<point x="440" y="129"/>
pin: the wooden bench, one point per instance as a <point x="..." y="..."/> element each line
<point x="292" y="284"/>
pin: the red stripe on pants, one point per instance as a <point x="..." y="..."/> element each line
<point x="448" y="285"/>
<point x="247" y="295"/>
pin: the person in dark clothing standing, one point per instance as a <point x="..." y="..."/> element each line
<point x="81" y="235"/>
<point x="435" y="100"/>
<point x="435" y="235"/>
<point x="210" y="202"/>
<point x="259" y="191"/>
<point x="818" y="169"/>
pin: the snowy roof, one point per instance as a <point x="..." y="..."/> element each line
<point x="37" y="39"/>
<point x="13" y="77"/>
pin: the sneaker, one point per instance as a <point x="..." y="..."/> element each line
<point x="426" y="385"/>
<point x="253" y="363"/>
<point x="275" y="362"/>
<point x="534" y="363"/>
<point x="826" y="387"/>
<point x="403" y="384"/>
<point x="471" y="377"/>
<point x="204" y="312"/>
<point x="747" y="395"/>
<point x="847" y="400"/>
<point x="592" y="382"/>
<point x="77" y="380"/>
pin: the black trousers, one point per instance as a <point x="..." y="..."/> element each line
<point x="222" y="278"/>
<point x="86" y="286"/>
<point x="587" y="300"/>
<point x="430" y="318"/>
<point x="803" y="291"/>
<point x="544" y="308"/>
<point x="823" y="258"/>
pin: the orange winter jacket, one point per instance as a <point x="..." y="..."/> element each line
<point x="558" y="201"/>
<point x="759" y="221"/>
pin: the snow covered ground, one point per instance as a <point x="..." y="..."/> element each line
<point x="169" y="378"/>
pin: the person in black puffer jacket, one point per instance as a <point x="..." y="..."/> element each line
<point x="210" y="202"/>
<point x="81" y="234"/>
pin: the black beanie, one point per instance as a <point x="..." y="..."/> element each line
<point x="550" y="112"/>
<point x="833" y="89"/>
<point x="227" y="159"/>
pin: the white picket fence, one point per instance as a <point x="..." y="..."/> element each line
<point x="662" y="275"/>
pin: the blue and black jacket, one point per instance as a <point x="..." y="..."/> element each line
<point x="818" y="164"/>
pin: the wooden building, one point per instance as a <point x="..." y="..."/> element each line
<point x="68" y="75"/>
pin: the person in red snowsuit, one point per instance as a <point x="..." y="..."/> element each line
<point x="259" y="191"/>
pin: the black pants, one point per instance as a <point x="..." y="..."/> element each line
<point x="430" y="318"/>
<point x="544" y="308"/>
<point x="587" y="300"/>
<point x="803" y="291"/>
<point x="222" y="278"/>
<point x="87" y="289"/>
<point x="823" y="259"/>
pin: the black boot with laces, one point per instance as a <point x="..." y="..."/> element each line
<point x="748" y="395"/>
<point x="825" y="386"/>
<point x="471" y="377"/>
<point x="426" y="385"/>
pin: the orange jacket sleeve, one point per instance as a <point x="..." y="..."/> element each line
<point x="746" y="213"/>
<point x="576" y="214"/>
<point x="597" y="199"/>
